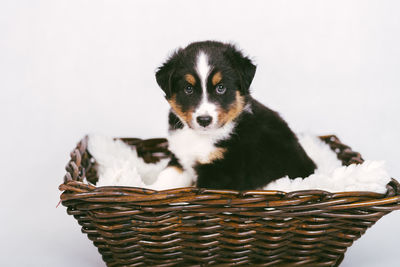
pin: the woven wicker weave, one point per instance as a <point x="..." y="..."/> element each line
<point x="191" y="226"/>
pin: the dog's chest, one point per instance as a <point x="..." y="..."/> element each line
<point x="191" y="147"/>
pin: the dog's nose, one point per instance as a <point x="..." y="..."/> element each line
<point x="204" y="120"/>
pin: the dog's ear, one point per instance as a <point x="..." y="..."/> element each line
<point x="243" y="65"/>
<point x="164" y="74"/>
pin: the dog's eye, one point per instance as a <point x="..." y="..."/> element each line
<point x="220" y="89"/>
<point x="189" y="90"/>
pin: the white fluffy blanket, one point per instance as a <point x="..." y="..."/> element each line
<point x="118" y="164"/>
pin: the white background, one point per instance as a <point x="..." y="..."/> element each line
<point x="68" y="68"/>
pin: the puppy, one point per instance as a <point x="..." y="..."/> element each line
<point x="219" y="136"/>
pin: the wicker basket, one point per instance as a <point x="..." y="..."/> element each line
<point x="192" y="226"/>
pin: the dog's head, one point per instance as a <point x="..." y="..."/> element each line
<point x="206" y="83"/>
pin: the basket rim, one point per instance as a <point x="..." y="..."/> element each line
<point x="74" y="187"/>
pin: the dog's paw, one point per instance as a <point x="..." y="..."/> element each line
<point x="172" y="177"/>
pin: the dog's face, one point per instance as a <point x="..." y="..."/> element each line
<point x="206" y="84"/>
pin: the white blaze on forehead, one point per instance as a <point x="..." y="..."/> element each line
<point x="203" y="69"/>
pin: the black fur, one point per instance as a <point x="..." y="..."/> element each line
<point x="261" y="147"/>
<point x="174" y="122"/>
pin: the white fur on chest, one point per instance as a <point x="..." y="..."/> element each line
<point x="190" y="146"/>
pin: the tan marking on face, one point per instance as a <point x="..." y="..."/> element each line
<point x="218" y="153"/>
<point x="190" y="79"/>
<point x="234" y="110"/>
<point x="186" y="116"/>
<point x="216" y="78"/>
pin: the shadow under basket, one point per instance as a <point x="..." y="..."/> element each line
<point x="193" y="226"/>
